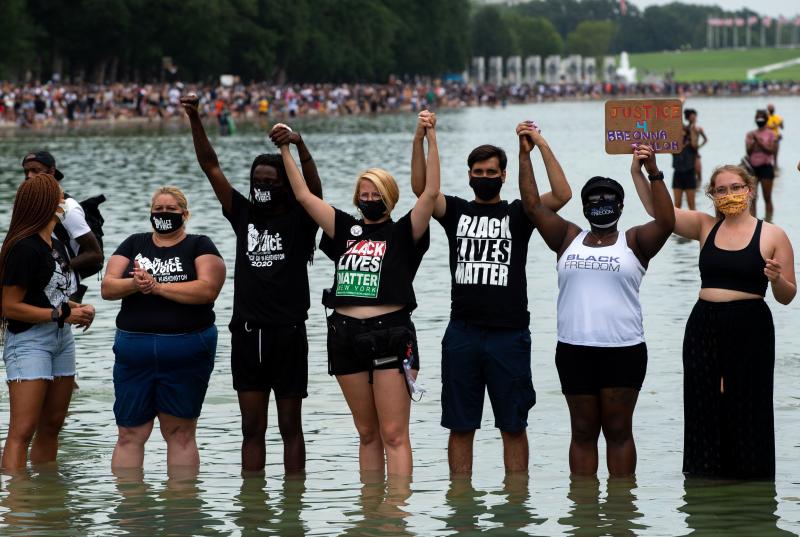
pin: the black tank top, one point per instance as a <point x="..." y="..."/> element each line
<point x="737" y="270"/>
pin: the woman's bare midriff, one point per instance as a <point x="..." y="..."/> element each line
<point x="365" y="312"/>
<point x="725" y="295"/>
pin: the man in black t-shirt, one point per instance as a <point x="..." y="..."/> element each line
<point x="487" y="343"/>
<point x="275" y="240"/>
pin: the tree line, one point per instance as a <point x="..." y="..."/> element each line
<point x="318" y="40"/>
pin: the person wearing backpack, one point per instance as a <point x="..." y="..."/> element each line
<point x="80" y="236"/>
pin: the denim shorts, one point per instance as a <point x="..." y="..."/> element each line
<point x="43" y="351"/>
<point x="476" y="359"/>
<point x="161" y="373"/>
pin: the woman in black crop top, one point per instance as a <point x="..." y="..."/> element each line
<point x="729" y="344"/>
<point x="371" y="341"/>
<point x="166" y="339"/>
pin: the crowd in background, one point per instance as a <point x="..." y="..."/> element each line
<point x="35" y="105"/>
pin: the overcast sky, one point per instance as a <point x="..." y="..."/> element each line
<point x="765" y="7"/>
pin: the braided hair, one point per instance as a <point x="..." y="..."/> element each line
<point x="34" y="207"/>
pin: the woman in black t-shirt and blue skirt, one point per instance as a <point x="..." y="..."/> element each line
<point x="372" y="346"/>
<point x="39" y="351"/>
<point x="166" y="339"/>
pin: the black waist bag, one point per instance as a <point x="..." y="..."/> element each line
<point x="387" y="346"/>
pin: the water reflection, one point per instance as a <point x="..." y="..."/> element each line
<point x="503" y="512"/>
<point x="731" y="508"/>
<point x="277" y="515"/>
<point x="381" y="506"/>
<point x="590" y="515"/>
<point x="36" y="503"/>
<point x="177" y="508"/>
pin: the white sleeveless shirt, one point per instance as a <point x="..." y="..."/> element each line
<point x="598" y="295"/>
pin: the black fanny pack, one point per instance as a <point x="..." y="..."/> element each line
<point x="381" y="347"/>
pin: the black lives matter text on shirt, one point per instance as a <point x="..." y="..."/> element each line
<point x="375" y="263"/>
<point x="488" y="251"/>
<point x="271" y="272"/>
<point x="43" y="271"/>
<point x="172" y="264"/>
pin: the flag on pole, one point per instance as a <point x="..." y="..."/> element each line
<point x="728" y="22"/>
<point x="767" y="22"/>
<point x="739" y="21"/>
<point x="623" y="7"/>
<point x="752" y="20"/>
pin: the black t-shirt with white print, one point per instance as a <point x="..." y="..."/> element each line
<point x="43" y="271"/>
<point x="172" y="264"/>
<point x="272" y="256"/>
<point x="488" y="252"/>
<point x="375" y="263"/>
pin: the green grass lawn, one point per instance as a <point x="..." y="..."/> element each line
<point x="716" y="64"/>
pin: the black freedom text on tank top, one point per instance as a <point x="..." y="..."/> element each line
<point x="488" y="251"/>
<point x="172" y="264"/>
<point x="375" y="263"/>
<point x="271" y="272"/>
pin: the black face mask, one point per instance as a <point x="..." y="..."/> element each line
<point x="372" y="210"/>
<point x="166" y="222"/>
<point x="761" y="122"/>
<point x="486" y="188"/>
<point x="603" y="213"/>
<point x="267" y="196"/>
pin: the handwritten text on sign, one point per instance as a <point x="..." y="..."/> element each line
<point x="657" y="122"/>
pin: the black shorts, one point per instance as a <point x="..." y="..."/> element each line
<point x="265" y="358"/>
<point x="686" y="180"/>
<point x="765" y="171"/>
<point x="586" y="370"/>
<point x="381" y="342"/>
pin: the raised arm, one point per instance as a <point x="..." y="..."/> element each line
<point x="780" y="267"/>
<point x="555" y="231"/>
<point x="426" y="202"/>
<point x="560" y="191"/>
<point x="688" y="224"/>
<point x="281" y="135"/>
<point x="425" y="120"/>
<point x="206" y="156"/>
<point x="650" y="237"/>
<point x="320" y="211"/>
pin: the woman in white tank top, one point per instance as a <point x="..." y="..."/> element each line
<point x="601" y="355"/>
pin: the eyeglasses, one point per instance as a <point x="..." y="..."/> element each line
<point x="737" y="188"/>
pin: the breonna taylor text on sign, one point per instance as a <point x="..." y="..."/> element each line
<point x="657" y="122"/>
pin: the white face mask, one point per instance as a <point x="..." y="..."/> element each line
<point x="61" y="215"/>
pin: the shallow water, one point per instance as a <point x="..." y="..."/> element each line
<point x="80" y="495"/>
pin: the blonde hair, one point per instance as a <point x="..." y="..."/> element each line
<point x="384" y="183"/>
<point x="749" y="180"/>
<point x="176" y="193"/>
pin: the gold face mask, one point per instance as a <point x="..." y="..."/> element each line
<point x="732" y="204"/>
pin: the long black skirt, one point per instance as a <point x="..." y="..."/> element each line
<point x="728" y="364"/>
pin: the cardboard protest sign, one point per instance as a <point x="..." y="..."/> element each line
<point x="658" y="122"/>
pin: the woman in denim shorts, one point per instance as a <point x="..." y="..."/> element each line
<point x="39" y="352"/>
<point x="166" y="339"/>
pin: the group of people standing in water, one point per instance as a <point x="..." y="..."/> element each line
<point x="167" y="281"/>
